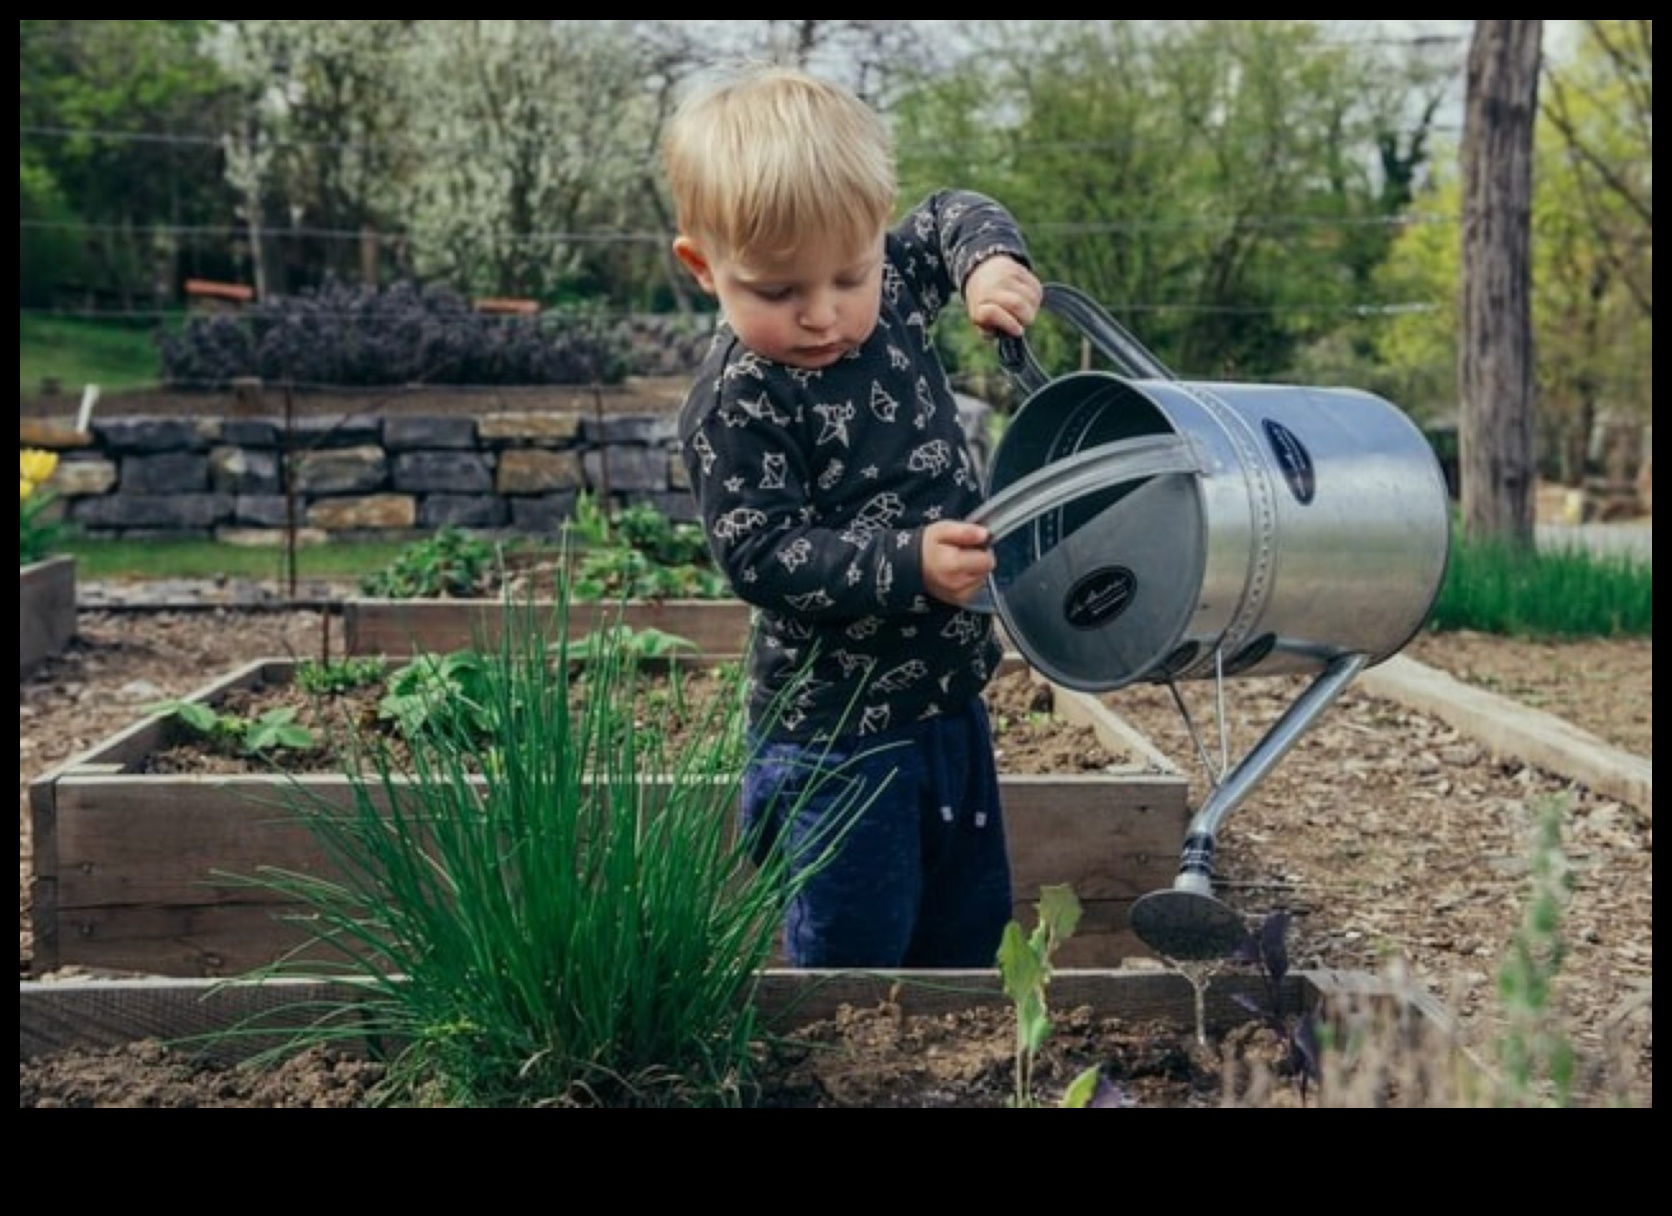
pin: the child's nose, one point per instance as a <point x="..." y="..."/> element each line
<point x="818" y="311"/>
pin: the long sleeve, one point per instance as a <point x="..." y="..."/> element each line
<point x="815" y="486"/>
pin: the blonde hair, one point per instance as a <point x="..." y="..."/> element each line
<point x="759" y="161"/>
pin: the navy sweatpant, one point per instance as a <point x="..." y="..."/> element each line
<point x="922" y="877"/>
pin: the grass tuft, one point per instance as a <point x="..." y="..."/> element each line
<point x="557" y="911"/>
<point x="1497" y="588"/>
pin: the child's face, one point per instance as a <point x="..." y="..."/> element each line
<point x="807" y="310"/>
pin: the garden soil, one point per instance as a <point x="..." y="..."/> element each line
<point x="1399" y="844"/>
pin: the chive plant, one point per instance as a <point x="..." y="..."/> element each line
<point x="565" y="914"/>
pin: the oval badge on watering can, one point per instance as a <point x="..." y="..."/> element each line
<point x="1292" y="458"/>
<point x="1100" y="597"/>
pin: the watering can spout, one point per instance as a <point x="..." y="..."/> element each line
<point x="1188" y="922"/>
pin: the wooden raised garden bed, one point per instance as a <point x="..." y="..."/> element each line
<point x="46" y="611"/>
<point x="408" y="626"/>
<point x="126" y="862"/>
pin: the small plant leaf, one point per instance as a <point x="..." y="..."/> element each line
<point x="1059" y="911"/>
<point x="277" y="728"/>
<point x="198" y="716"/>
<point x="1083" y="1090"/>
<point x="1274" y="948"/>
<point x="1023" y="968"/>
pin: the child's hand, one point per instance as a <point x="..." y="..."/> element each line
<point x="1002" y="296"/>
<point x="956" y="560"/>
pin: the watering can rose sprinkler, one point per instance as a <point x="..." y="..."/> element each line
<point x="1151" y="529"/>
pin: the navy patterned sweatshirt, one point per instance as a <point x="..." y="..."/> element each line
<point x="815" y="486"/>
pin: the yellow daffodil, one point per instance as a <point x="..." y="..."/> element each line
<point x="35" y="466"/>
<point x="37" y="526"/>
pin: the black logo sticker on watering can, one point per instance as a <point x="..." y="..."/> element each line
<point x="1099" y="597"/>
<point x="1293" y="459"/>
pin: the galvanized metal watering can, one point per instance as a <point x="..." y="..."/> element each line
<point x="1152" y="529"/>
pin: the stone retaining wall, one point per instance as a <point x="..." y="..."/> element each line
<point x="502" y="462"/>
<point x="393" y="476"/>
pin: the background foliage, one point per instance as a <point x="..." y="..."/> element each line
<point x="1259" y="200"/>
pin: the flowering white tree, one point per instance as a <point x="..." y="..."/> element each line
<point x="319" y="156"/>
<point x="535" y="136"/>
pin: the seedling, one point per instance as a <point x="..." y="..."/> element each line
<point x="274" y="730"/>
<point x="1025" y="966"/>
<point x="326" y="679"/>
<point x="1267" y="949"/>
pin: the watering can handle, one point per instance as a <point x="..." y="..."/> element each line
<point x="1104" y="331"/>
<point x="1062" y="481"/>
<point x="1096" y="468"/>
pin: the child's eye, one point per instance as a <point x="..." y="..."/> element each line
<point x="774" y="295"/>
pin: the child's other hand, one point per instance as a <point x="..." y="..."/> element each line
<point x="1002" y="296"/>
<point x="956" y="560"/>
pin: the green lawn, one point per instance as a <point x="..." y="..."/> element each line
<point x="150" y="559"/>
<point x="77" y="352"/>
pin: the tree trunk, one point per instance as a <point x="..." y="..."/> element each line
<point x="1495" y="373"/>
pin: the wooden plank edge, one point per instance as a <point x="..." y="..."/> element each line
<point x="199" y="1015"/>
<point x="1512" y="729"/>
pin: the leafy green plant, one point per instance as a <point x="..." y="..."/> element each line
<point x="640" y="554"/>
<point x="271" y="731"/>
<point x="325" y="678"/>
<point x="452" y="563"/>
<point x="1025" y="966"/>
<point x="550" y="928"/>
<point x="647" y="530"/>
<point x="623" y="573"/>
<point x="37" y="530"/>
<point x="444" y="693"/>
<point x="588" y="526"/>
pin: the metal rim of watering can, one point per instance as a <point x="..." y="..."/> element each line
<point x="1094" y="469"/>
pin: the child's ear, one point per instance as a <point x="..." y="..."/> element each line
<point x="685" y="249"/>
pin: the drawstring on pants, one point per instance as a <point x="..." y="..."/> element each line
<point x="942" y="775"/>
